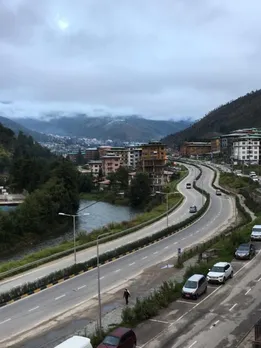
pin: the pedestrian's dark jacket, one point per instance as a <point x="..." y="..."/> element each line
<point x="126" y="293"/>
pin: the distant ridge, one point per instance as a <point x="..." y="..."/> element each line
<point x="244" y="112"/>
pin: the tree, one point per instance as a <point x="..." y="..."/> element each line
<point x="140" y="189"/>
<point x="122" y="176"/>
<point x="79" y="158"/>
<point x="85" y="183"/>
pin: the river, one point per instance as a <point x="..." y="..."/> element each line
<point x="100" y="214"/>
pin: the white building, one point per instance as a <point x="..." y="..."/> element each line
<point x="134" y="156"/>
<point x="247" y="149"/>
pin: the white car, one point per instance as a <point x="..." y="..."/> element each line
<point x="220" y="272"/>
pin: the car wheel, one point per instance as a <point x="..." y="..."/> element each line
<point x="224" y="280"/>
<point x="134" y="345"/>
<point x="231" y="274"/>
<point x="205" y="289"/>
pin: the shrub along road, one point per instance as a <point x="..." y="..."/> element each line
<point x="181" y="213"/>
<point x="41" y="307"/>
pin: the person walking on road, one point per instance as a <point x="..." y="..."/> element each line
<point x="126" y="295"/>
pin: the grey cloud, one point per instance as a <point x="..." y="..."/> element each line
<point x="172" y="58"/>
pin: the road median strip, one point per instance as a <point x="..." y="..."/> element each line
<point x="80" y="268"/>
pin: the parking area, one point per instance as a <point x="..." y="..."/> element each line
<point x="179" y="309"/>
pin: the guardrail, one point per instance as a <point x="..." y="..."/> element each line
<point x="56" y="256"/>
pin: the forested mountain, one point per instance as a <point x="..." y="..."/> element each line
<point x="244" y="112"/>
<point x="122" y="128"/>
<point x="51" y="183"/>
<point x="16" y="127"/>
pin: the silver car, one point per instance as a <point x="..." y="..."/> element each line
<point x="195" y="286"/>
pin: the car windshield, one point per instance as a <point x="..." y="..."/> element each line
<point x="217" y="269"/>
<point x="256" y="230"/>
<point x="190" y="284"/>
<point x="243" y="248"/>
<point x="111" y="341"/>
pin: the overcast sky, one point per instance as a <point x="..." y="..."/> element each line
<point x="161" y="59"/>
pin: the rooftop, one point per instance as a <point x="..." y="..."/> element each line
<point x="119" y="331"/>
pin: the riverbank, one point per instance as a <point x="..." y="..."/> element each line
<point x="83" y="238"/>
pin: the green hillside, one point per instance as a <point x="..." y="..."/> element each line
<point x="244" y="112"/>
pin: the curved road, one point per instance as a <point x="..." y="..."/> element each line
<point x="192" y="197"/>
<point x="22" y="315"/>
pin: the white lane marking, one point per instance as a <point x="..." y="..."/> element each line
<point x="197" y="232"/>
<point x="159" y="321"/>
<point x="191" y="234"/>
<point x="5" y="321"/>
<point x="183" y="238"/>
<point x="117" y="270"/>
<point x="193" y="344"/>
<point x="145" y="257"/>
<point x="215" y="323"/>
<point x="230" y="309"/>
<point x="33" y="309"/>
<point x="101" y="277"/>
<point x="166" y="247"/>
<point x="156" y="252"/>
<point x="248" y="291"/>
<point x="181" y="301"/>
<point x="196" y="305"/>
<point x="58" y="298"/>
<point x="131" y="264"/>
<point x="175" y="243"/>
<point x="81" y="287"/>
<point x="259" y="279"/>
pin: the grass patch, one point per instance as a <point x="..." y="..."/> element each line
<point x="235" y="183"/>
<point x="113" y="228"/>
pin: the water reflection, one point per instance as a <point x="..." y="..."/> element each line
<point x="100" y="214"/>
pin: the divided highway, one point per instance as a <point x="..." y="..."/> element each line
<point x="22" y="315"/>
<point x="192" y="197"/>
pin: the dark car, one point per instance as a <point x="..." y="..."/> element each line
<point x="121" y="337"/>
<point x="245" y="251"/>
<point x="188" y="185"/>
<point x="193" y="209"/>
<point x="218" y="192"/>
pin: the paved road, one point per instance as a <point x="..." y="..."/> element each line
<point x="219" y="319"/>
<point x="193" y="197"/>
<point x="24" y="314"/>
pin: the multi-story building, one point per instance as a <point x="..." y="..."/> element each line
<point x="91" y="154"/>
<point x="247" y="149"/>
<point x="110" y="163"/>
<point x="195" y="148"/>
<point x="102" y="151"/>
<point x="153" y="161"/>
<point x="215" y="145"/>
<point x="227" y="140"/>
<point x="133" y="157"/>
<point x="122" y="152"/>
<point x="95" y="167"/>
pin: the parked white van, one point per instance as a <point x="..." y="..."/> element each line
<point x="256" y="233"/>
<point x="76" y="342"/>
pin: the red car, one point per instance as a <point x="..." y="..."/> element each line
<point x="121" y="337"/>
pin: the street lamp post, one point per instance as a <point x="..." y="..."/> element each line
<point x="74" y="230"/>
<point x="167" y="201"/>
<point x="99" y="279"/>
